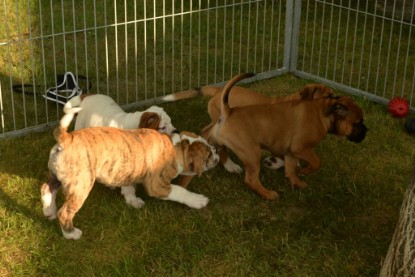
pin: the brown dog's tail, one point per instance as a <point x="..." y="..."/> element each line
<point x="225" y="109"/>
<point x="61" y="132"/>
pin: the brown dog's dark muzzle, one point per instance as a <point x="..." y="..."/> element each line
<point x="359" y="132"/>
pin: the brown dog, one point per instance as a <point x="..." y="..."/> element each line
<point x="291" y="129"/>
<point x="120" y="158"/>
<point x="240" y="96"/>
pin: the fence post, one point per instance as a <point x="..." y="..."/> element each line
<point x="400" y="259"/>
<point x="292" y="34"/>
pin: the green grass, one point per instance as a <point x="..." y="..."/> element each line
<point x="340" y="225"/>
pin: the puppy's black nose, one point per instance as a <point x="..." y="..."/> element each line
<point x="359" y="133"/>
<point x="175" y="131"/>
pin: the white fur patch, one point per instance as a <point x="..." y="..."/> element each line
<point x="49" y="205"/>
<point x="131" y="198"/>
<point x="175" y="138"/>
<point x="191" y="199"/>
<point x="273" y="162"/>
<point x="165" y="120"/>
<point x="193" y="139"/>
<point x="75" y="234"/>
<point x="231" y="166"/>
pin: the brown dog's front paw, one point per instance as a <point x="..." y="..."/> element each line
<point x="270" y="195"/>
<point x="299" y="185"/>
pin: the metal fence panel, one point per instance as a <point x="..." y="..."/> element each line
<point x="362" y="47"/>
<point x="134" y="51"/>
<point x="138" y="51"/>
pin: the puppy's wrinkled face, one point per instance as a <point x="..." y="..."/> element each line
<point x="164" y="124"/>
<point x="199" y="155"/>
<point x="348" y="119"/>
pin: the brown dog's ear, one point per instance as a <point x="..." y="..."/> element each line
<point x="307" y="93"/>
<point x="149" y="120"/>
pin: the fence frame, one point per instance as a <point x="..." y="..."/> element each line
<point x="291" y="52"/>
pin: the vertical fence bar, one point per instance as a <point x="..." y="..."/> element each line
<point x="248" y="39"/>
<point x="86" y="42"/>
<point x="407" y="50"/>
<point x="190" y="42"/>
<point x="74" y="37"/>
<point x="199" y="44"/>
<point x="126" y="51"/>
<point x="345" y="43"/>
<point x="305" y="35"/>
<point x="321" y="39"/>
<point x="399" y="48"/>
<point x="145" y="51"/>
<point x="354" y="43"/>
<point x="271" y="36"/>
<point x="135" y="52"/>
<point x="96" y="49"/>
<point x="32" y="58"/>
<point x="116" y="50"/>
<point x="292" y="31"/>
<point x="232" y="35"/>
<point x="337" y="41"/>
<point x="224" y="42"/>
<point x="20" y="46"/>
<point x="154" y="49"/>
<point x="329" y="39"/>
<point x="363" y="45"/>
<point x="389" y="50"/>
<point x="172" y="48"/>
<point x="371" y="48"/>
<point x="43" y="56"/>
<point x="240" y="39"/>
<point x="164" y="47"/>
<point x="380" y="48"/>
<point x="107" y="71"/>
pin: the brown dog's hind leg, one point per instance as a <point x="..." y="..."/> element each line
<point x="252" y="179"/>
<point x="290" y="167"/>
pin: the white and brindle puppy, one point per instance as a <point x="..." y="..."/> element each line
<point x="101" y="110"/>
<point x="290" y="129"/>
<point x="120" y="158"/>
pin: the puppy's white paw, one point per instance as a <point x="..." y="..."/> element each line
<point x="130" y="198"/>
<point x="231" y="166"/>
<point x="190" y="199"/>
<point x="273" y="162"/>
<point x="135" y="202"/>
<point x="50" y="212"/>
<point x="75" y="234"/>
<point x="196" y="201"/>
<point x="49" y="205"/>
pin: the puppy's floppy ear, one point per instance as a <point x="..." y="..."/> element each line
<point x="149" y="120"/>
<point x="193" y="156"/>
<point x="307" y="93"/>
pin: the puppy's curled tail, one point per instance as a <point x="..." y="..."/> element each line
<point x="61" y="132"/>
<point x="72" y="103"/>
<point x="225" y="109"/>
